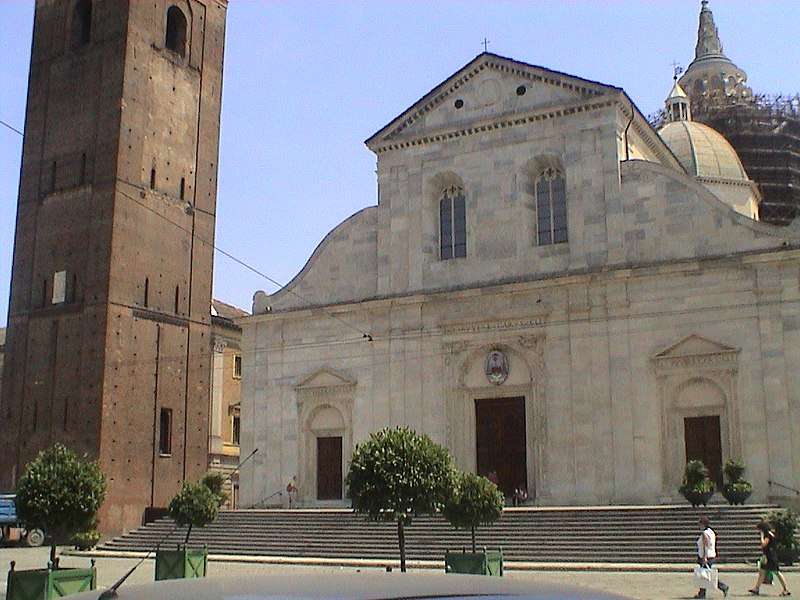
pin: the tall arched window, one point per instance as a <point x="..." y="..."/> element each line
<point x="81" y="26"/>
<point x="176" y="30"/>
<point x="452" y="223"/>
<point x="551" y="207"/>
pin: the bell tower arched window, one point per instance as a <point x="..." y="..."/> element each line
<point x="176" y="31"/>
<point x="452" y="224"/>
<point x="551" y="207"/>
<point x="81" y="25"/>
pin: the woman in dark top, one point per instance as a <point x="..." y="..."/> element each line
<point x="770" y="561"/>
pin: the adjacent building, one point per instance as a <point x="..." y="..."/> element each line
<point x="225" y="426"/>
<point x="109" y="328"/>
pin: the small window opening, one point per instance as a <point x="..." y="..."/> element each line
<point x="165" y="431"/>
<point x="81" y="23"/>
<point x="146" y="291"/>
<point x="237" y="366"/>
<point x="237" y="430"/>
<point x="177" y="297"/>
<point x="59" y="287"/>
<point x="176" y="30"/>
<point x="183" y="187"/>
<point x="153" y="178"/>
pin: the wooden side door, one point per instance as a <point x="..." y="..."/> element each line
<point x="703" y="442"/>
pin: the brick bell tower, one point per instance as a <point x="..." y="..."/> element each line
<point x="109" y="325"/>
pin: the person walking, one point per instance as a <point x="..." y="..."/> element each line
<point x="707" y="553"/>
<point x="770" y="561"/>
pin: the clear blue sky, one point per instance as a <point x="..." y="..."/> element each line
<point x="307" y="82"/>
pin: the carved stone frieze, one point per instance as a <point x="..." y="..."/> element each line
<point x="328" y="391"/>
<point x="537" y="321"/>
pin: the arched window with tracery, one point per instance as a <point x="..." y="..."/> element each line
<point x="81" y="26"/>
<point x="452" y="223"/>
<point x="551" y="207"/>
<point x="176" y="31"/>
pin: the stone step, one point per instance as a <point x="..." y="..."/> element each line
<point x="531" y="534"/>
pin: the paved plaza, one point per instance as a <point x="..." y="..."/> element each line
<point x="642" y="581"/>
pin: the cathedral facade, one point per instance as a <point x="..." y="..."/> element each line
<point x="545" y="287"/>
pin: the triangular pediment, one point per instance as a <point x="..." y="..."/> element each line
<point x="489" y="87"/>
<point x="694" y="345"/>
<point x="324" y="378"/>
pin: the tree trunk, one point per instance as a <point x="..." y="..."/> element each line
<point x="53" y="559"/>
<point x="473" y="540"/>
<point x="186" y="543"/>
<point x="401" y="537"/>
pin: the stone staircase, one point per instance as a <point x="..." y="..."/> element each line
<point x="640" y="534"/>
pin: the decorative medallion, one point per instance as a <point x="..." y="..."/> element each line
<point x="496" y="367"/>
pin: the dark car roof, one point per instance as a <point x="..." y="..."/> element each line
<point x="374" y="585"/>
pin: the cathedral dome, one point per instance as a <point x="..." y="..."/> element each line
<point x="702" y="151"/>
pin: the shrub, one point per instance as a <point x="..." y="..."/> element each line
<point x="695" y="478"/>
<point x="784" y="523"/>
<point x="60" y="493"/>
<point x="397" y="474"/>
<point x="195" y="505"/>
<point x="734" y="470"/>
<point x="474" y="501"/>
<point x="216" y="483"/>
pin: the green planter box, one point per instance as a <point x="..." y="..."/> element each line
<point x="36" y="584"/>
<point x="183" y="563"/>
<point x="486" y="562"/>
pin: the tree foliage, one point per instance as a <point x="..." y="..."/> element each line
<point x="398" y="474"/>
<point x="216" y="482"/>
<point x="195" y="505"/>
<point x="60" y="493"/>
<point x="474" y="501"/>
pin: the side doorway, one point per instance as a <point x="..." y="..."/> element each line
<point x="703" y="442"/>
<point x="329" y="468"/>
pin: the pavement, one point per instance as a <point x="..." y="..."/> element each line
<point x="640" y="581"/>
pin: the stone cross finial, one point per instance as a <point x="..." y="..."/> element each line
<point x="485" y="45"/>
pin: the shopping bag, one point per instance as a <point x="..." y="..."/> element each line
<point x="769" y="576"/>
<point x="705" y="577"/>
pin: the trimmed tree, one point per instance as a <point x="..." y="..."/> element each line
<point x="216" y="483"/>
<point x="195" y="505"/>
<point x="396" y="475"/>
<point x="475" y="501"/>
<point x="60" y="493"/>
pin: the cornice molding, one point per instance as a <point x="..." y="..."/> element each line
<point x="500" y="122"/>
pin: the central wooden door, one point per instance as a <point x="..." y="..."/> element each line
<point x="329" y="468"/>
<point x="500" y="441"/>
<point x="702" y="441"/>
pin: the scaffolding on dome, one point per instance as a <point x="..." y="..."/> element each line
<point x="765" y="132"/>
